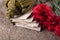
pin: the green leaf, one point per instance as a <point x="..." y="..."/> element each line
<point x="54" y="4"/>
<point x="55" y="7"/>
<point x="58" y="2"/>
<point x="58" y="13"/>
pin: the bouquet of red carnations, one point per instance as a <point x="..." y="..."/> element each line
<point x="48" y="16"/>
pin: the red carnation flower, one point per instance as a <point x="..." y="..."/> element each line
<point x="50" y="28"/>
<point x="45" y="23"/>
<point x="55" y="21"/>
<point x="57" y="30"/>
<point x="41" y="12"/>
